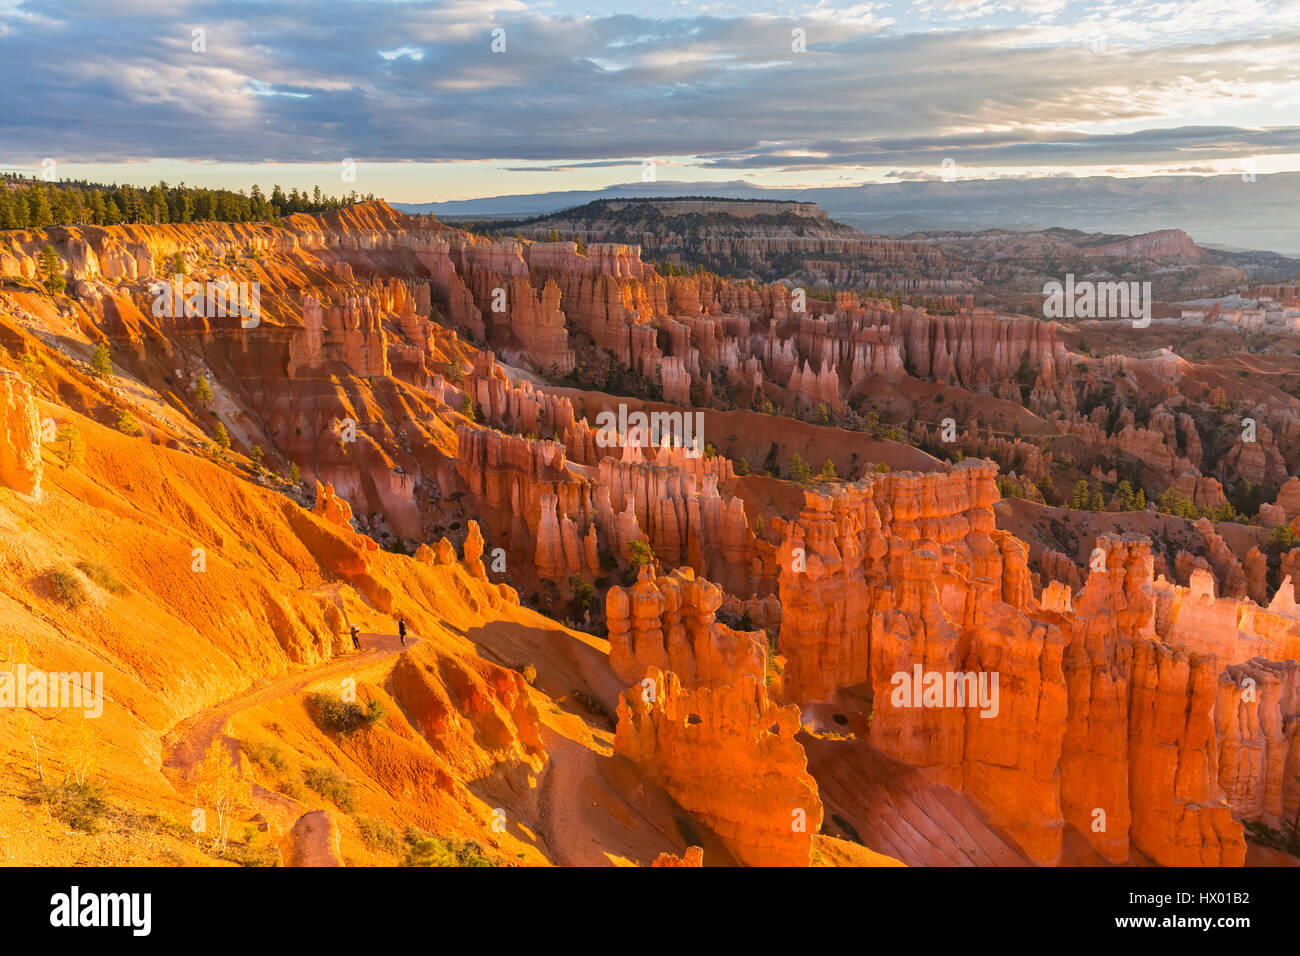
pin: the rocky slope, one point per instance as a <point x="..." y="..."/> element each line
<point x="408" y="427"/>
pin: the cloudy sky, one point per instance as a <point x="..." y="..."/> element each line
<point x="468" y="98"/>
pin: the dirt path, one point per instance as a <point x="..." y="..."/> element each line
<point x="186" y="742"/>
<point x="568" y="840"/>
<point x="314" y="841"/>
<point x="314" y="838"/>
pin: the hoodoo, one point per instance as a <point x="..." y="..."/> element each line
<point x="402" y="545"/>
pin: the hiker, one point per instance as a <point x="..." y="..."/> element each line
<point x="356" y="637"/>
<point x="401" y="629"/>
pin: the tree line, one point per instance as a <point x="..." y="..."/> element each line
<point x="27" y="203"/>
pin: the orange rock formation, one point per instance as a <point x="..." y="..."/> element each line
<point x="727" y="754"/>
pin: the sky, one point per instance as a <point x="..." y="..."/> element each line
<point x="437" y="101"/>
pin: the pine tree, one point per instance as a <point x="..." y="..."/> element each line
<point x="97" y="208"/>
<point x="127" y="424"/>
<point x="1123" y="500"/>
<point x="639" y="553"/>
<point x="68" y="447"/>
<point x="203" y="391"/>
<point x="295" y="476"/>
<point x="1079" y="497"/>
<point x="798" y="470"/>
<point x="222" y="437"/>
<point x="42" y="216"/>
<point x="100" y="362"/>
<point x="52" y="269"/>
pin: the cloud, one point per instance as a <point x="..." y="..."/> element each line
<point x="1026" y="147"/>
<point x="419" y="81"/>
<point x="414" y="52"/>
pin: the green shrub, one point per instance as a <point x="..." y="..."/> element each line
<point x="379" y="836"/>
<point x="66" y="586"/>
<point x="263" y="854"/>
<point x="127" y="425"/>
<point x="583" y="592"/>
<point x="345" y="717"/>
<point x="639" y="553"/>
<point x="267" y="757"/>
<point x="28" y="368"/>
<point x="78" y="805"/>
<point x="331" y="785"/>
<point x="437" y="851"/>
<point x="292" y="789"/>
<point x="254" y="851"/>
<point x="589" y="702"/>
<point x="1282" y="538"/>
<point x="104" y="576"/>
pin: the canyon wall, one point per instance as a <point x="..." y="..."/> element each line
<point x="1094" y="723"/>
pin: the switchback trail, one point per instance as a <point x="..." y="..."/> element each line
<point x="184" y="744"/>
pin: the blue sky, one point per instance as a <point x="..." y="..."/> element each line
<point x="232" y="92"/>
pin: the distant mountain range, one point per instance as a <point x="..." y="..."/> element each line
<point x="769" y="240"/>
<point x="1219" y="210"/>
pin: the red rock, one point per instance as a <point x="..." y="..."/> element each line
<point x="694" y="856"/>
<point x="445" y="552"/>
<point x="331" y="507"/>
<point x="1180" y="817"/>
<point x="20" y="435"/>
<point x="728" y="755"/>
<point x="474" y="552"/>
<point x="667" y="622"/>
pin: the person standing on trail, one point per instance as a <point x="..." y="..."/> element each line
<point x="401" y="629"/>
<point x="356" y="637"/>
